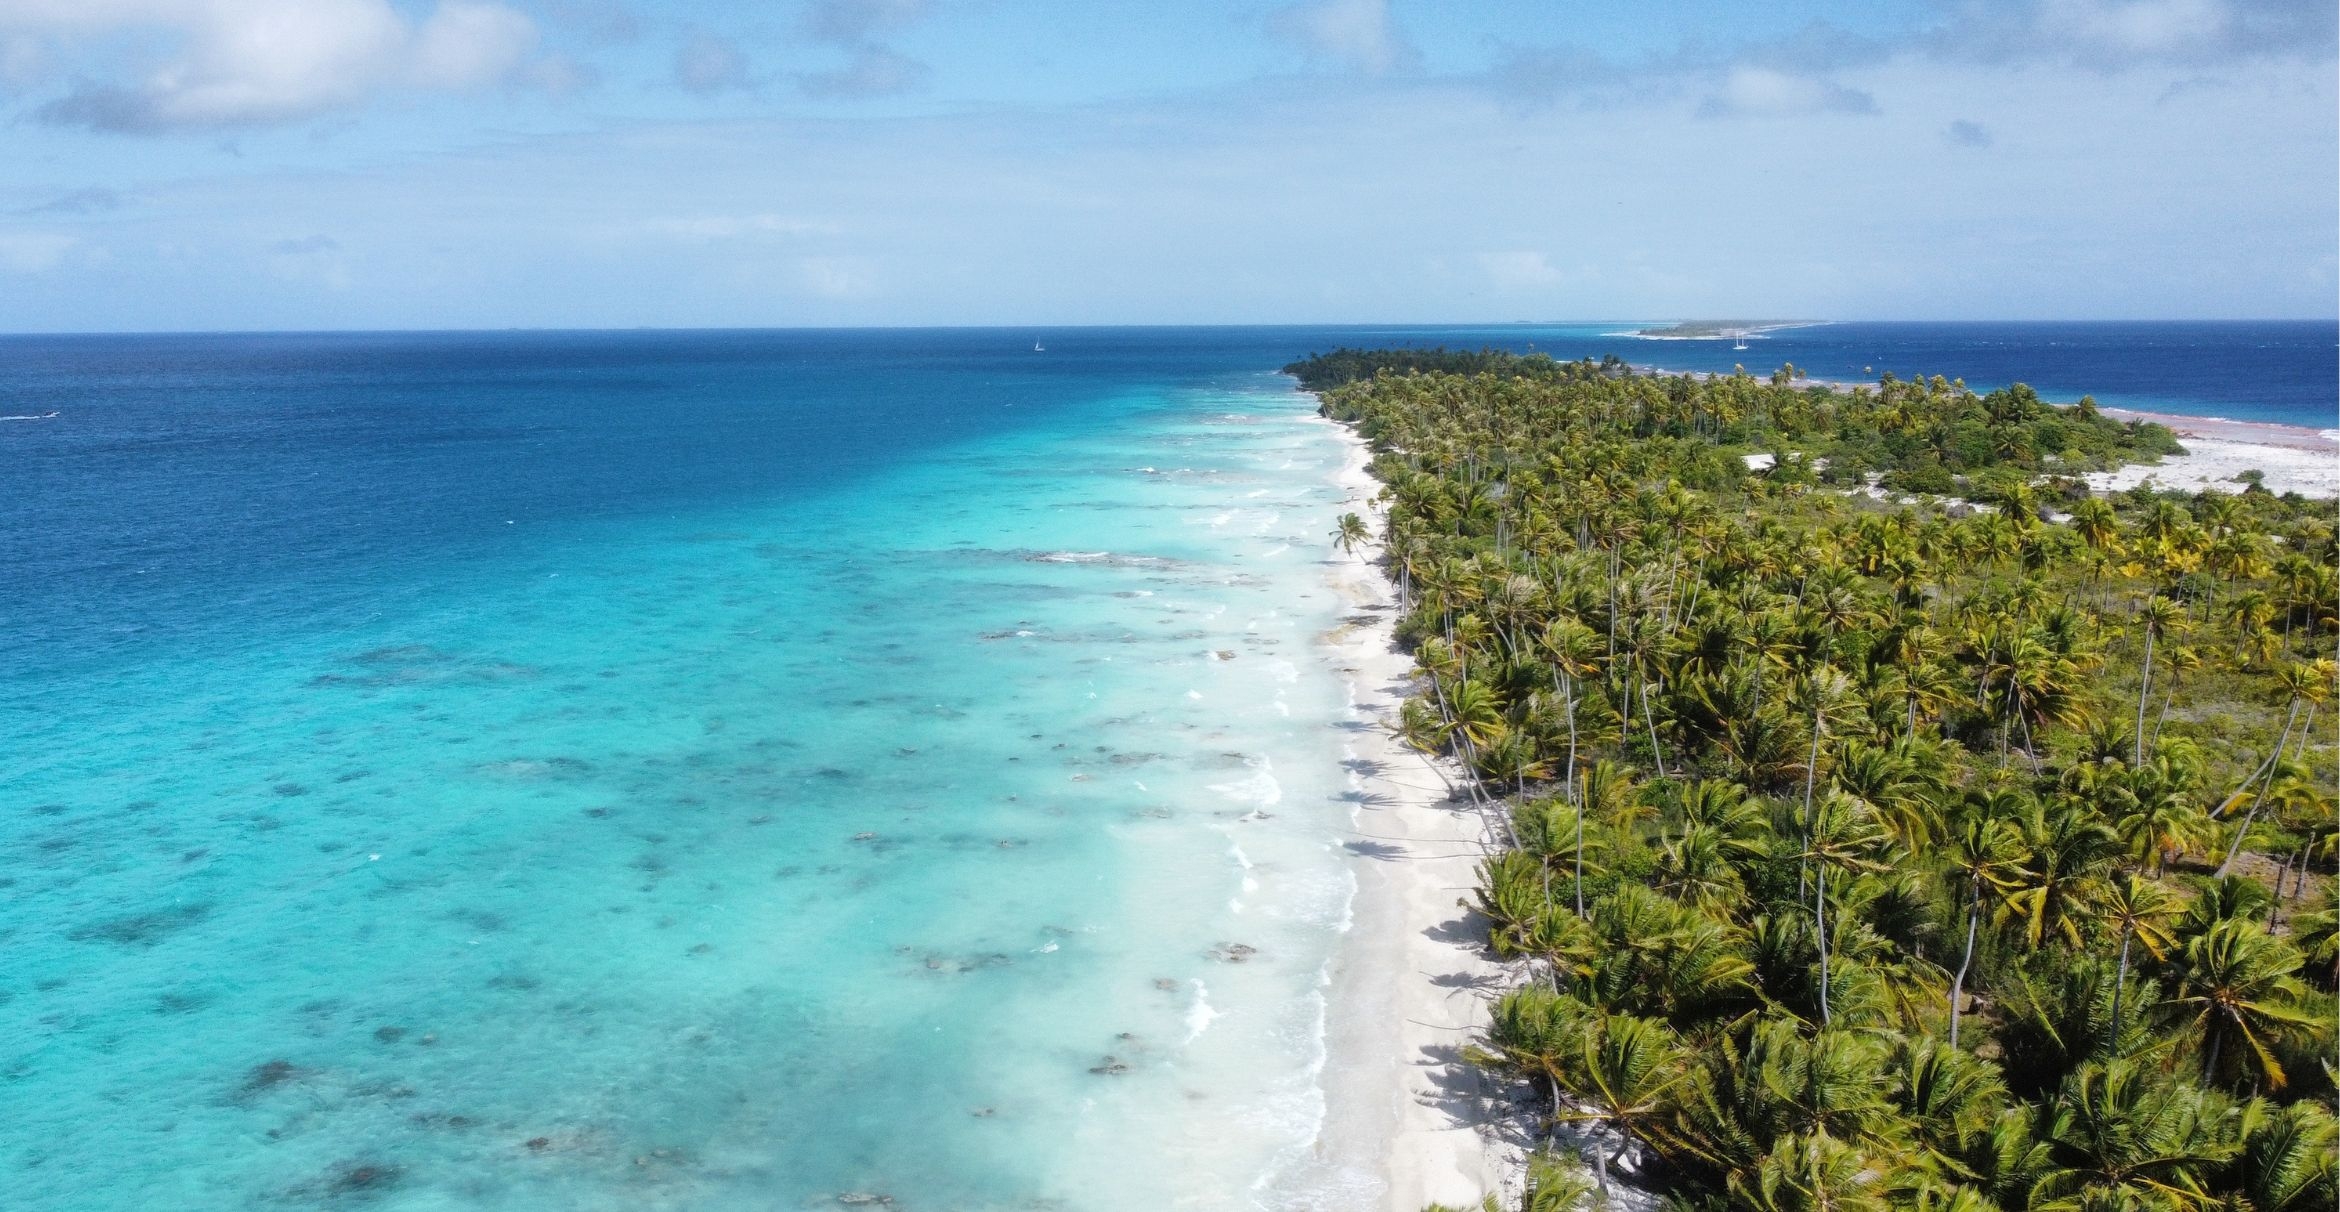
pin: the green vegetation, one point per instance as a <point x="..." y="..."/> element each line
<point x="1860" y="855"/>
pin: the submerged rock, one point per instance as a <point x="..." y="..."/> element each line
<point x="363" y="1177"/>
<point x="269" y="1075"/>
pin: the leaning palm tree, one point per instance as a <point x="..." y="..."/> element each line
<point x="1623" y="1074"/>
<point x="1351" y="531"/>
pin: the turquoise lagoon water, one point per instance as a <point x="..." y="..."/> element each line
<point x="899" y="827"/>
<point x="702" y="770"/>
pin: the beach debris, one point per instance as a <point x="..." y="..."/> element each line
<point x="1112" y="1066"/>
<point x="1225" y="654"/>
<point x="1233" y="953"/>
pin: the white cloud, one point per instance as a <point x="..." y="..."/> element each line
<point x="30" y="252"/>
<point x="1358" y="33"/>
<point x="836" y="277"/>
<point x="235" y="63"/>
<point x="466" y="44"/>
<point x="1761" y="91"/>
<point x="2114" y="34"/>
<point x="1520" y="269"/>
<point x="734" y="227"/>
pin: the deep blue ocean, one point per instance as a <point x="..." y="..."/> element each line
<point x="2281" y="371"/>
<point x="719" y="770"/>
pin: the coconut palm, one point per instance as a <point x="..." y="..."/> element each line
<point x="2287" y="1160"/>
<point x="2066" y="851"/>
<point x="2158" y="616"/>
<point x="1981" y="855"/>
<point x="2139" y="911"/>
<point x="2239" y="985"/>
<point x="2119" y="1136"/>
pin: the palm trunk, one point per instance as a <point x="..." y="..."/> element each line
<point x="1649" y="715"/>
<point x="2163" y="718"/>
<point x="1820" y="924"/>
<point x="2028" y="750"/>
<point x="2143" y="689"/>
<point x="2120" y="986"/>
<point x="1958" y="983"/>
<point x="1811" y="770"/>
<point x="2273" y="760"/>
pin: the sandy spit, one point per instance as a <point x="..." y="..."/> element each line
<point x="2293" y="458"/>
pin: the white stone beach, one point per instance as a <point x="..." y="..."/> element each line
<point x="2290" y="458"/>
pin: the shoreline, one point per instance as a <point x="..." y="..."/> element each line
<point x="1410" y="986"/>
<point x="2292" y="458"/>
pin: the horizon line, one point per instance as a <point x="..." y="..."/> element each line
<point x="1044" y="327"/>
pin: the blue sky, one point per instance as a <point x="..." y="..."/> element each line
<point x="210" y="164"/>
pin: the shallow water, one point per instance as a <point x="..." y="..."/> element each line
<point x="963" y="833"/>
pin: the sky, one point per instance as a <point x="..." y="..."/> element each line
<point x="353" y="164"/>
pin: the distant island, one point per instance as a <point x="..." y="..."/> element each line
<point x="1717" y="330"/>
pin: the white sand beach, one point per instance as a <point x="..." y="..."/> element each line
<point x="2291" y="458"/>
<point x="1407" y="1122"/>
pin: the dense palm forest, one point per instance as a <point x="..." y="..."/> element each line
<point x="1880" y="821"/>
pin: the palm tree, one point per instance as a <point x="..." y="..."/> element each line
<point x="1623" y="1073"/>
<point x="1952" y="1098"/>
<point x="1813" y="1173"/>
<point x="2066" y="849"/>
<point x="2152" y="809"/>
<point x="2288" y="1158"/>
<point x="1350" y="532"/>
<point x="2159" y="615"/>
<point x="2120" y="1138"/>
<point x="2301" y="683"/>
<point x="2137" y="909"/>
<point x="1981" y="854"/>
<point x="2238" y="981"/>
